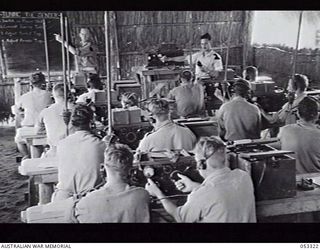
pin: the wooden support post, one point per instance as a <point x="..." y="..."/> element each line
<point x="17" y="94"/>
<point x="2" y="63"/>
<point x="45" y="193"/>
<point x="246" y="38"/>
<point x="114" y="46"/>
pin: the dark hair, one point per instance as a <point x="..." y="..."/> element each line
<point x="119" y="158"/>
<point x="300" y="82"/>
<point x="250" y="73"/>
<point x="81" y="116"/>
<point x="59" y="89"/>
<point x="37" y="79"/>
<point x="206" y="36"/>
<point x="308" y="109"/>
<point x="94" y="81"/>
<point x="158" y="106"/>
<point x="241" y="87"/>
<point x="186" y="74"/>
<point x="130" y="98"/>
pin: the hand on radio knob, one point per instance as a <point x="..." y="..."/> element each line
<point x="153" y="189"/>
<point x="185" y="184"/>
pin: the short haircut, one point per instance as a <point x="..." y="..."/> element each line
<point x="94" y="81"/>
<point x="250" y="73"/>
<point x="59" y="89"/>
<point x="241" y="87"/>
<point x="308" y="108"/>
<point x="37" y="79"/>
<point x="81" y="116"/>
<point x="186" y="74"/>
<point x="119" y="158"/>
<point x="209" y="145"/>
<point x="130" y="98"/>
<point x="158" y="106"/>
<point x="300" y="82"/>
<point x="206" y="36"/>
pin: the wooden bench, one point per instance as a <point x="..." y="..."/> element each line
<point x="44" y="172"/>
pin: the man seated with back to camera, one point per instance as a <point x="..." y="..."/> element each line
<point x="116" y="201"/>
<point x="95" y="86"/>
<point x="166" y="134"/>
<point x="287" y="115"/>
<point x="303" y="137"/>
<point x="238" y="119"/>
<point x="250" y="74"/>
<point x="79" y="157"/>
<point x="32" y="102"/>
<point x="189" y="97"/>
<point x="51" y="119"/>
<point x="224" y="196"/>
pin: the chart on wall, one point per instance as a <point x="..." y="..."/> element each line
<point x="23" y="43"/>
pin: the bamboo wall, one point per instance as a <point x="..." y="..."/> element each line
<point x="135" y="33"/>
<point x="139" y="32"/>
<point x="278" y="64"/>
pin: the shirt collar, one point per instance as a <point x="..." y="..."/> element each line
<point x="217" y="172"/>
<point x="162" y="125"/>
<point x="238" y="98"/>
<point x="306" y="125"/>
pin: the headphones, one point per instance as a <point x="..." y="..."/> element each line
<point x="202" y="164"/>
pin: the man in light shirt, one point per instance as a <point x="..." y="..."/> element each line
<point x="32" y="103"/>
<point x="95" y="86"/>
<point x="79" y="157"/>
<point x="287" y="115"/>
<point x="224" y="196"/>
<point x="303" y="137"/>
<point x="116" y="201"/>
<point x="166" y="134"/>
<point x="188" y="96"/>
<point x="238" y="119"/>
<point x="51" y="119"/>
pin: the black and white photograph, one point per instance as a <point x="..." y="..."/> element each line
<point x="189" y="116"/>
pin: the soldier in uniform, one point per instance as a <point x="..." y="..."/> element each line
<point x="166" y="134"/>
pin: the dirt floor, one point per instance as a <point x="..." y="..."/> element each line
<point x="13" y="186"/>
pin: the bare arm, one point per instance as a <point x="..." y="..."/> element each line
<point x="70" y="47"/>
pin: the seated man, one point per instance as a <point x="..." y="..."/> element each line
<point x="95" y="85"/>
<point x="250" y="74"/>
<point x="303" y="137"/>
<point x="79" y="157"/>
<point x="238" y="119"/>
<point x="224" y="196"/>
<point x="129" y="99"/>
<point x="116" y="201"/>
<point x="166" y="134"/>
<point x="189" y="97"/>
<point x="287" y="115"/>
<point x="51" y="119"/>
<point x="32" y="103"/>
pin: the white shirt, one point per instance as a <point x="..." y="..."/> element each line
<point x="210" y="60"/>
<point x="104" y="206"/>
<point x="303" y="139"/>
<point x="224" y="196"/>
<point x="89" y="95"/>
<point x="51" y="118"/>
<point x="33" y="103"/>
<point x="168" y="136"/>
<point x="239" y="119"/>
<point x="79" y="158"/>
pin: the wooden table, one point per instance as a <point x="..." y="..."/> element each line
<point x="303" y="202"/>
<point x="44" y="172"/>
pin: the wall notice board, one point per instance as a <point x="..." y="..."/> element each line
<point x="22" y="42"/>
